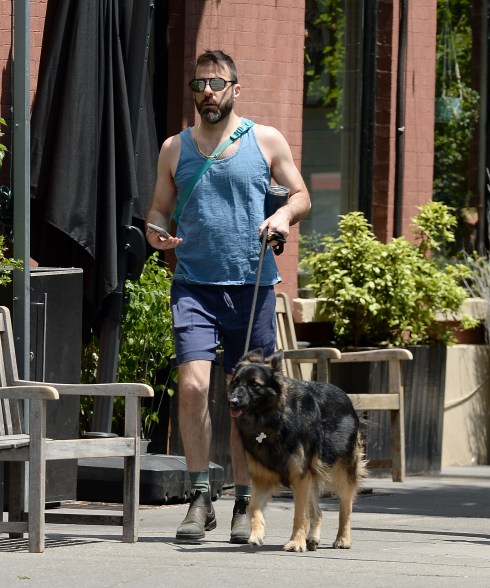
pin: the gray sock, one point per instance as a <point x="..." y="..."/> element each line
<point x="200" y="480"/>
<point x="242" y="491"/>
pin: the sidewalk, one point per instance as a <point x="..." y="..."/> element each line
<point x="428" y="531"/>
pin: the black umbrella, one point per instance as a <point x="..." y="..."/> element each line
<point x="93" y="153"/>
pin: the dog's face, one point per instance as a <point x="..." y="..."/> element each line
<point x="256" y="384"/>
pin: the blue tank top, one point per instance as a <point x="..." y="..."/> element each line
<point x="220" y="220"/>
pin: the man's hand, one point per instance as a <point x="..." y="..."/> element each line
<point x="276" y="240"/>
<point x="158" y="241"/>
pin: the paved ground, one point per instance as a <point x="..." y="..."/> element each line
<point x="428" y="531"/>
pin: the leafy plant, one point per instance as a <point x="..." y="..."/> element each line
<point x="452" y="151"/>
<point x="478" y="284"/>
<point x="457" y="108"/>
<point x="378" y="293"/>
<point x="3" y="149"/>
<point x="325" y="56"/>
<point x="146" y="346"/>
<point x="7" y="264"/>
<point x="312" y="242"/>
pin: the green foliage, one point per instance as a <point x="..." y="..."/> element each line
<point x="388" y="293"/>
<point x="3" y="149"/>
<point x="452" y="151"/>
<point x="147" y="342"/>
<point x="478" y="284"/>
<point x="434" y="227"/>
<point x="7" y="264"/>
<point x="146" y="346"/>
<point x="457" y="105"/>
<point x="325" y="56"/>
<point x="453" y="45"/>
<point x="312" y="242"/>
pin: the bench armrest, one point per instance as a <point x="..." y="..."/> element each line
<point x="109" y="389"/>
<point x="30" y="392"/>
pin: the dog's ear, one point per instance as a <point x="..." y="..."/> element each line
<point x="276" y="361"/>
<point x="254" y="356"/>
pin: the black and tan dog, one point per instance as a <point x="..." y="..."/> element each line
<point x="302" y="435"/>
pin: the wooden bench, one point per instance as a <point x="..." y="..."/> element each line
<point x="23" y="439"/>
<point x="391" y="401"/>
<point x="295" y="358"/>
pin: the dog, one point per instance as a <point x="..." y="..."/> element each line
<point x="302" y="435"/>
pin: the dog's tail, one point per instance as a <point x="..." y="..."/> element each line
<point x="365" y="425"/>
<point x="360" y="459"/>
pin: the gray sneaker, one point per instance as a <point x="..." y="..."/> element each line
<point x="200" y="518"/>
<point x="240" y="523"/>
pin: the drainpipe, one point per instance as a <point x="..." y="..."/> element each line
<point x="368" y="109"/>
<point x="400" y="119"/>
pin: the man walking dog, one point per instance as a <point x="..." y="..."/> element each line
<point x="213" y="178"/>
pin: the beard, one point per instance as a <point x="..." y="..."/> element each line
<point x="212" y="113"/>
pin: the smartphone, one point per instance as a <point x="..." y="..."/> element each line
<point x="158" y="229"/>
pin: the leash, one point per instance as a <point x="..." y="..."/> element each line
<point x="277" y="249"/>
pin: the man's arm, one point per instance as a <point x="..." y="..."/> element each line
<point x="164" y="196"/>
<point x="284" y="171"/>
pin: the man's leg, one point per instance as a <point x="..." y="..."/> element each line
<point x="264" y="336"/>
<point x="195" y="430"/>
<point x="240" y="523"/>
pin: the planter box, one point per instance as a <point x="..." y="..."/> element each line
<point x="466" y="429"/>
<point x="447" y="394"/>
<point x="447" y="408"/>
<point x="424" y="385"/>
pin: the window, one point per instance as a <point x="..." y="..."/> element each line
<point x="332" y="110"/>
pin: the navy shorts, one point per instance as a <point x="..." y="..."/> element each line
<point x="206" y="316"/>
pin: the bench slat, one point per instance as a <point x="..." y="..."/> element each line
<point x="375" y="401"/>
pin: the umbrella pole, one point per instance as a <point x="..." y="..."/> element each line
<point x="113" y="309"/>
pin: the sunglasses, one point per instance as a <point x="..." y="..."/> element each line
<point x="216" y="84"/>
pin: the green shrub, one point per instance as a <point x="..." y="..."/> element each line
<point x="389" y="293"/>
<point x="146" y="346"/>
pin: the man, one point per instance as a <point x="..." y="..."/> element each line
<point x="217" y="253"/>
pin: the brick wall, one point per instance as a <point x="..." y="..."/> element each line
<point x="38" y="12"/>
<point x="419" y="108"/>
<point x="419" y="113"/>
<point x="266" y="40"/>
<point x="264" y="37"/>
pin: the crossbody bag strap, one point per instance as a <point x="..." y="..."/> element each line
<point x="186" y="192"/>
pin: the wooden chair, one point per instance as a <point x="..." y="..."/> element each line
<point x="391" y="401"/>
<point x="19" y="445"/>
<point x="295" y="358"/>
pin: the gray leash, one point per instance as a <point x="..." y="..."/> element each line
<point x="275" y="198"/>
<point x="263" y="239"/>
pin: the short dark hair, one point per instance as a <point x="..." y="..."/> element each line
<point x="220" y="59"/>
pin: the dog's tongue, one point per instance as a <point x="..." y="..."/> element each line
<point x="235" y="412"/>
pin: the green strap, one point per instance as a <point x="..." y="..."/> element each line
<point x="184" y="196"/>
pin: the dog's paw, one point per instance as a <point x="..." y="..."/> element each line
<point x="312" y="544"/>
<point x="255" y="539"/>
<point x="297" y="546"/>
<point x="342" y="543"/>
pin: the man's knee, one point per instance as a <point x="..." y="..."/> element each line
<point x="194" y="381"/>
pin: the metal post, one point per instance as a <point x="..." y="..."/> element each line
<point x="21" y="191"/>
<point x="21" y="183"/>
